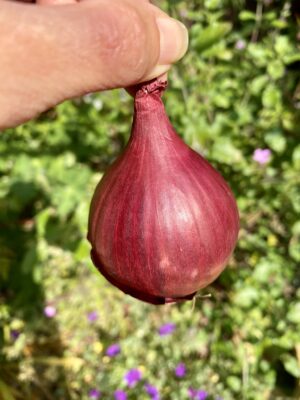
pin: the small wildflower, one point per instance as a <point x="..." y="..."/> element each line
<point x="94" y="394"/>
<point x="201" y="395"/>
<point x="113" y="350"/>
<point x="197" y="394"/>
<point x="180" y="370"/>
<point x="132" y="377"/>
<point x="88" y="98"/>
<point x="98" y="104"/>
<point x="262" y="156"/>
<point x="92" y="316"/>
<point x="14" y="334"/>
<point x="50" y="311"/>
<point x="120" y="395"/>
<point x="192" y="393"/>
<point x="97" y="347"/>
<point x="152" y="391"/>
<point x="240" y="44"/>
<point x="167" y="329"/>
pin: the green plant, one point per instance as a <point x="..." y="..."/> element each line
<point x="236" y="91"/>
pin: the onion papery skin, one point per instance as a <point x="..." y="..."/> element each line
<point x="163" y="222"/>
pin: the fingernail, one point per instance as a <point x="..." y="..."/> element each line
<point x="174" y="40"/>
<point x="157" y="71"/>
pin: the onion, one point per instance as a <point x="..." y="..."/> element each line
<point x="163" y="222"/>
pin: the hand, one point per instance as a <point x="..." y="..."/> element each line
<point x="50" y="52"/>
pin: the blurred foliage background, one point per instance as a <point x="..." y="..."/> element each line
<point x="236" y="91"/>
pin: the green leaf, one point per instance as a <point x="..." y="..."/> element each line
<point x="212" y="4"/>
<point x="291" y="365"/>
<point x="271" y="97"/>
<point x="276" y="69"/>
<point x="29" y="260"/>
<point x="264" y="270"/>
<point x="41" y="221"/>
<point x="294" y="249"/>
<point x="283" y="46"/>
<point x="258" y="84"/>
<point x="83" y="250"/>
<point x="211" y="35"/>
<point x="234" y="383"/>
<point x="247" y="16"/>
<point x="244" y="114"/>
<point x="291" y="58"/>
<point x="276" y="141"/>
<point x="294" y="313"/>
<point x="296" y="157"/>
<point x="224" y="150"/>
<point x="296" y="228"/>
<point x="279" y="24"/>
<point x="218" y="50"/>
<point x="246" y="296"/>
<point x="221" y="100"/>
<point x="260" y="54"/>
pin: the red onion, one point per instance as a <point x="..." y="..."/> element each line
<point x="163" y="223"/>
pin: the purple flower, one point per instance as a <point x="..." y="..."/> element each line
<point x="152" y="391"/>
<point x="50" y="311"/>
<point x="120" y="395"/>
<point x="167" y="329"/>
<point x="113" y="350"/>
<point x="180" y="370"/>
<point x="192" y="393"/>
<point x="262" y="156"/>
<point x="92" y="316"/>
<point x="14" y="334"/>
<point x="240" y="44"/>
<point x="201" y="395"/>
<point x="94" y="394"/>
<point x="197" y="394"/>
<point x="132" y="377"/>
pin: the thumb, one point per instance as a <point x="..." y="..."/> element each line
<point x="65" y="51"/>
<point x="119" y="43"/>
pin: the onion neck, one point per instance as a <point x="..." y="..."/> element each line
<point x="148" y="95"/>
<point x="151" y="123"/>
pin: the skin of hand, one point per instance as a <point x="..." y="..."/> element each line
<point x="60" y="49"/>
